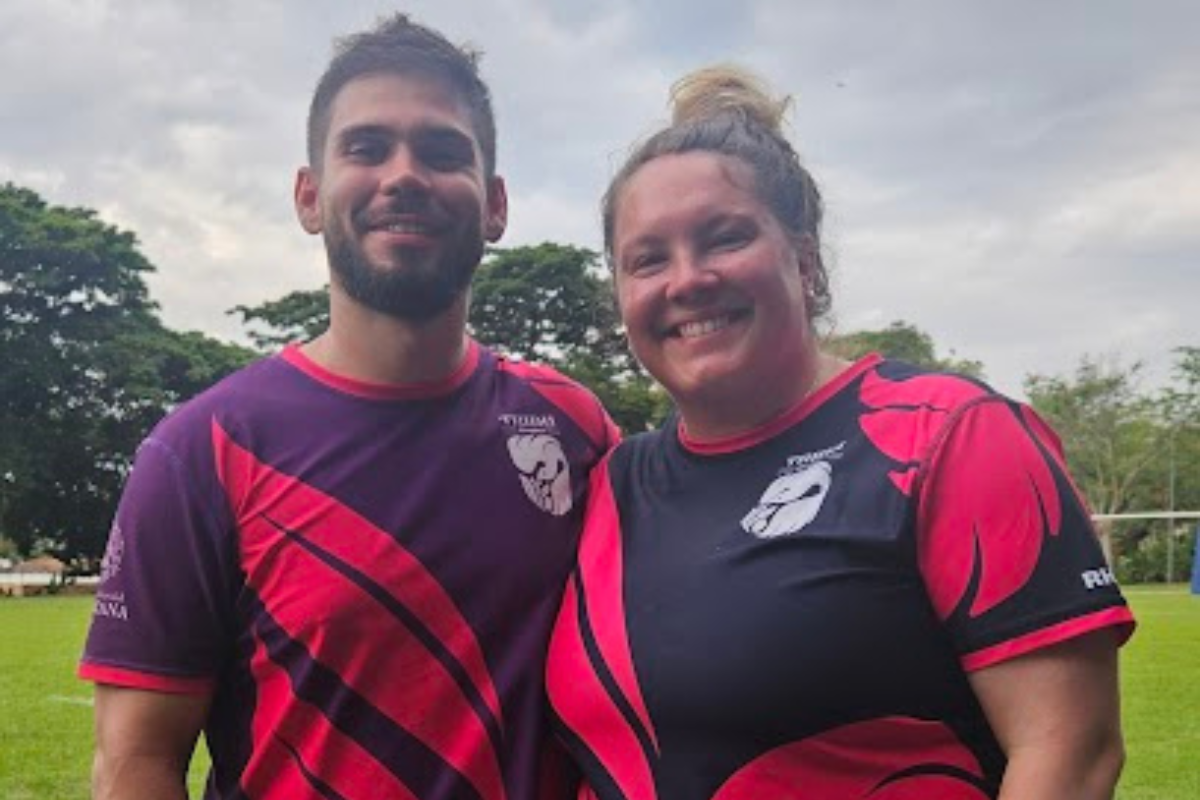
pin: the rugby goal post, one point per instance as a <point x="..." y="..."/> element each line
<point x="1171" y="517"/>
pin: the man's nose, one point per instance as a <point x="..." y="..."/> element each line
<point x="405" y="172"/>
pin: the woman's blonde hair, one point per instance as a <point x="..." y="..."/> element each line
<point x="730" y="111"/>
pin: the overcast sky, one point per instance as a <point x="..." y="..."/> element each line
<point x="1020" y="179"/>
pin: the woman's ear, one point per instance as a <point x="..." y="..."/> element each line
<point x="807" y="256"/>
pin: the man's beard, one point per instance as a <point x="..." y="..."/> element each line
<point x="416" y="294"/>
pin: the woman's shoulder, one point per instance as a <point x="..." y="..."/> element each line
<point x="894" y="382"/>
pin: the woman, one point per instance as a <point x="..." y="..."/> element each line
<point x="822" y="579"/>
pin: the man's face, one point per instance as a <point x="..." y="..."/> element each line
<point x="401" y="195"/>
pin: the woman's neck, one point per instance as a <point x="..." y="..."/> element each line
<point x="710" y="417"/>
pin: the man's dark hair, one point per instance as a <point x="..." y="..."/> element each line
<point x="398" y="45"/>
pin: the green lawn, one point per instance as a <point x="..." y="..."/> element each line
<point x="45" y="711"/>
<point x="1160" y="684"/>
<point x="46" y="733"/>
<point x="45" y="715"/>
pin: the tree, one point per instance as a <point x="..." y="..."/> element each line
<point x="1130" y="451"/>
<point x="1171" y="482"/>
<point x="295" y="317"/>
<point x="549" y="302"/>
<point x="1111" y="432"/>
<point x="1114" y="436"/>
<point x="87" y="367"/>
<point x="66" y="281"/>
<point x="1174" y="476"/>
<point x="902" y="341"/>
<point x="554" y="304"/>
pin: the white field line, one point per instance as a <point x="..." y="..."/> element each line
<point x="69" y="700"/>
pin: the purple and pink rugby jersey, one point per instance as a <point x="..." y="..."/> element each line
<point x="365" y="576"/>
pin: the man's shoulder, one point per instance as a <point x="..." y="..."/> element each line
<point x="564" y="393"/>
<point x="246" y="392"/>
<point x="532" y="371"/>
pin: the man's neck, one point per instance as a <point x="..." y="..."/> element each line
<point x="365" y="345"/>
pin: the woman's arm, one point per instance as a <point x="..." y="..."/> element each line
<point x="1056" y="714"/>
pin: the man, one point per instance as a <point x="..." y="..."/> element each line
<point x="342" y="562"/>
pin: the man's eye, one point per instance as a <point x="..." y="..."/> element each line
<point x="366" y="150"/>
<point x="447" y="156"/>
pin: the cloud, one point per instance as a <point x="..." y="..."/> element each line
<point x="1021" y="179"/>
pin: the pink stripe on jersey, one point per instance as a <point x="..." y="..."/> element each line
<point x="585" y="707"/>
<point x="890" y="757"/>
<point x="304" y="736"/>
<point x="370" y="551"/>
<point x="601" y="563"/>
<point x="133" y="679"/>
<point x="313" y="555"/>
<point x="1120" y="618"/>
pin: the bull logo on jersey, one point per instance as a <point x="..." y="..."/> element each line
<point x="544" y="472"/>
<point x="790" y="502"/>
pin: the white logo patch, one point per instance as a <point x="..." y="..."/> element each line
<point x="544" y="471"/>
<point x="791" y="502"/>
<point x="109" y="603"/>
<point x="114" y="551"/>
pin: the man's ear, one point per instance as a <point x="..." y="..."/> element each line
<point x="497" y="209"/>
<point x="306" y="196"/>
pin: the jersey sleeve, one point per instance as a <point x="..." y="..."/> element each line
<point x="162" y="608"/>
<point x="1005" y="543"/>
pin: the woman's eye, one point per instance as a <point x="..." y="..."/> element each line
<point x="730" y="240"/>
<point x="644" y="262"/>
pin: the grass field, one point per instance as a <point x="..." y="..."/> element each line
<point x="1160" y="701"/>
<point x="45" y="711"/>
<point x="46" y="733"/>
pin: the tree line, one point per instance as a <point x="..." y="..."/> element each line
<point x="87" y="367"/>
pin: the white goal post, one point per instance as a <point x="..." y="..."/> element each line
<point x="1170" y="516"/>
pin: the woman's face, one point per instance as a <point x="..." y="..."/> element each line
<point x="712" y="289"/>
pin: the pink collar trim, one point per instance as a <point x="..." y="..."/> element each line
<point x="793" y="415"/>
<point x="293" y="355"/>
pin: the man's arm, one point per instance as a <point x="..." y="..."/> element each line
<point x="1056" y="714"/>
<point x="144" y="742"/>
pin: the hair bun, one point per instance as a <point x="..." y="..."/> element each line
<point x="726" y="89"/>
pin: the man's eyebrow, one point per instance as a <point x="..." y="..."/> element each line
<point x="425" y="133"/>
<point x="364" y="131"/>
<point x="444" y="133"/>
